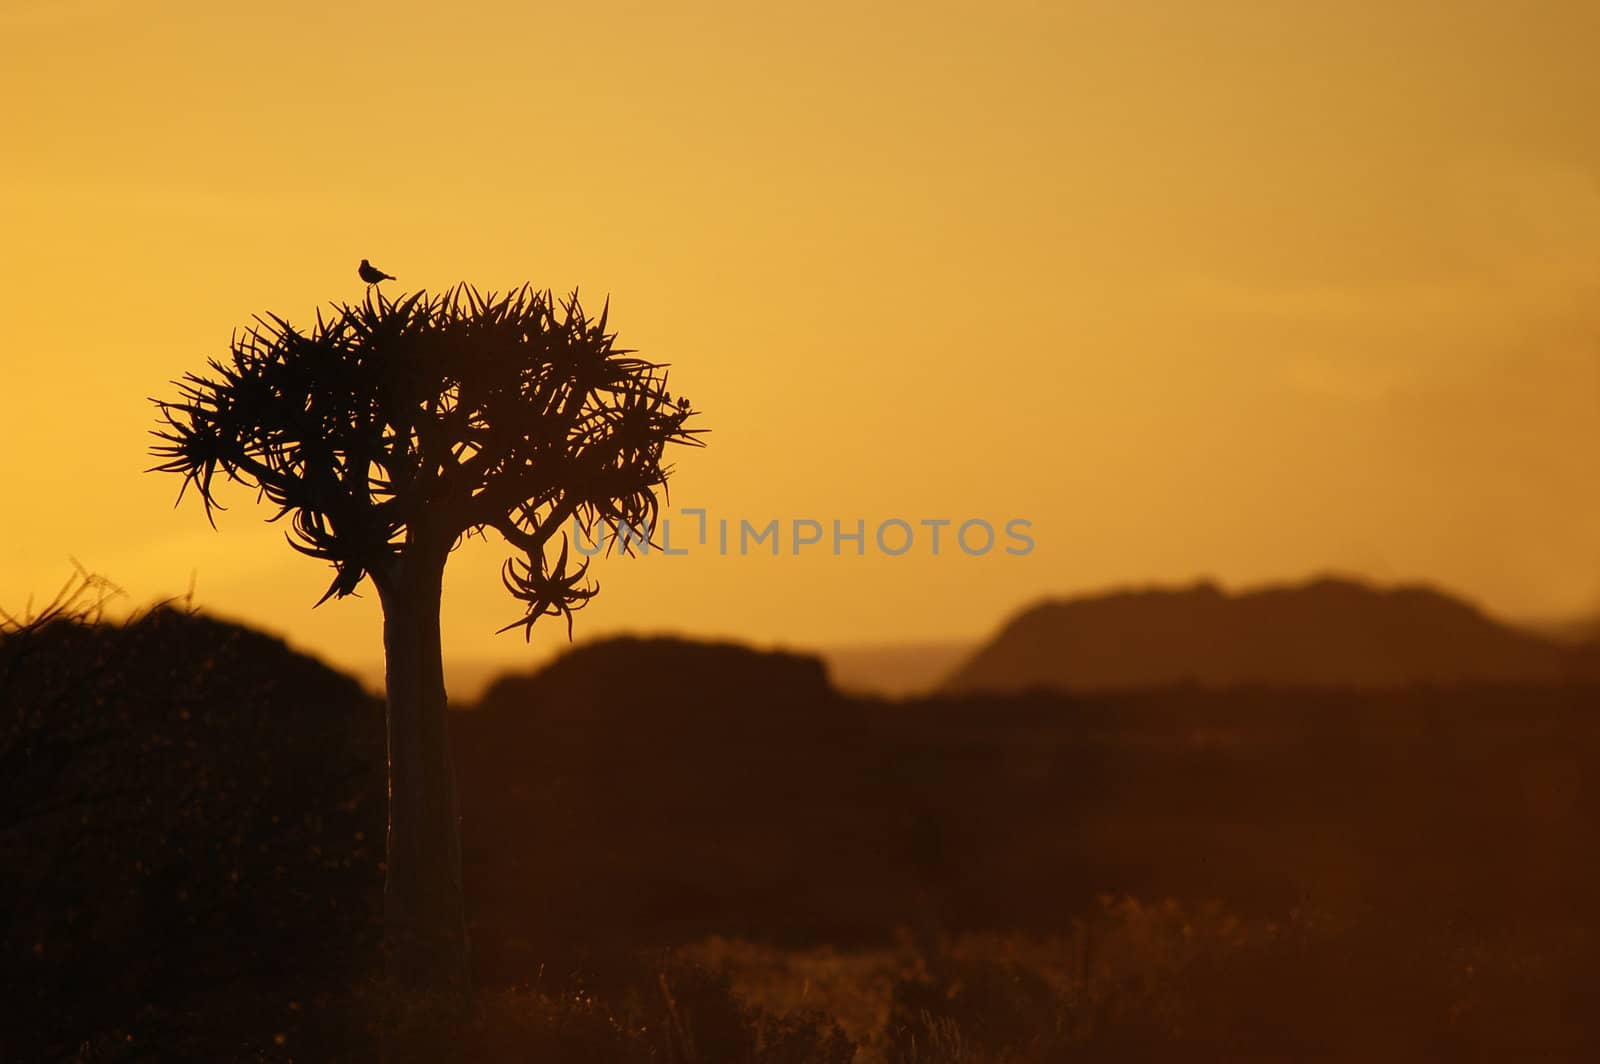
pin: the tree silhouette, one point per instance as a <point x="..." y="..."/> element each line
<point x="390" y="431"/>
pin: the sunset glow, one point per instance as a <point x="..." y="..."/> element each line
<point x="1196" y="290"/>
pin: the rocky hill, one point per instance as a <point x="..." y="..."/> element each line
<point x="1328" y="633"/>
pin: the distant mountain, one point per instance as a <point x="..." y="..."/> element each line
<point x="894" y="670"/>
<point x="1571" y="631"/>
<point x="1327" y="633"/>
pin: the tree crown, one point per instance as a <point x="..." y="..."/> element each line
<point x="393" y="428"/>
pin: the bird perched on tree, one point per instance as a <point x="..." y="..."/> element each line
<point x="371" y="274"/>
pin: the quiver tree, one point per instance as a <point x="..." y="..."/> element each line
<point x="387" y="433"/>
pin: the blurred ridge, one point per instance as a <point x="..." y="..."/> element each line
<point x="1327" y="633"/>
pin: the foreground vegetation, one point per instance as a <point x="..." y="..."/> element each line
<point x="679" y="852"/>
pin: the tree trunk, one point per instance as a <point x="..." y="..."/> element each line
<point x="424" y="917"/>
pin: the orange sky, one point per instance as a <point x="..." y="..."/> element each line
<point x="1247" y="290"/>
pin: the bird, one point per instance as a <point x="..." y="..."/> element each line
<point x="371" y="274"/>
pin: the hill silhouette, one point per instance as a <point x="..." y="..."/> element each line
<point x="636" y="676"/>
<point x="1327" y="633"/>
<point x="191" y="823"/>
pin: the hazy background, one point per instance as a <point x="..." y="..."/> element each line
<point x="1240" y="289"/>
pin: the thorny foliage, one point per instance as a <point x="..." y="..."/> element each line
<point x="393" y="428"/>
